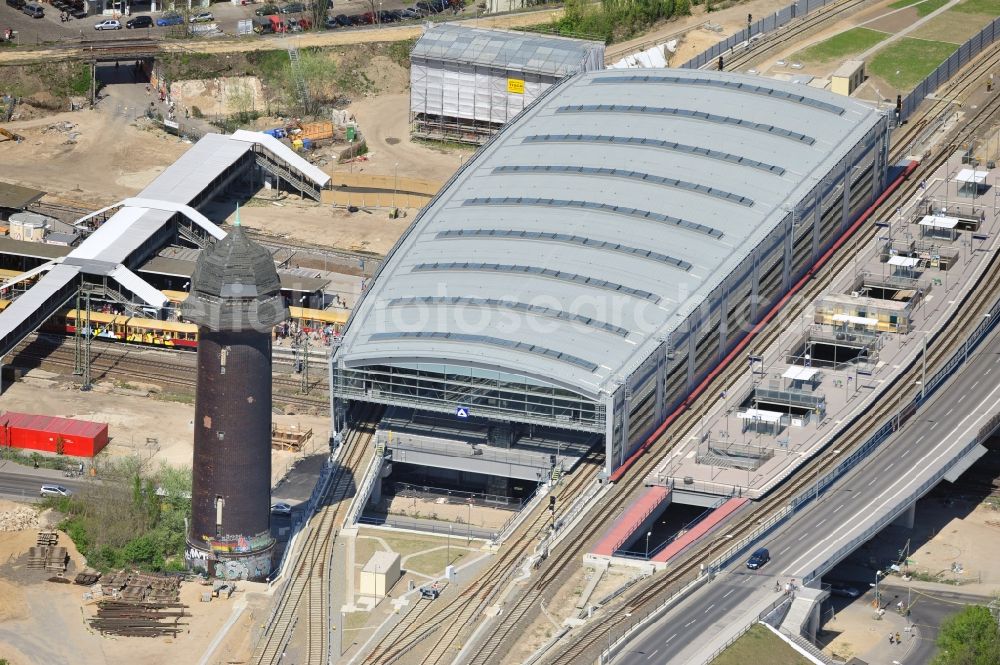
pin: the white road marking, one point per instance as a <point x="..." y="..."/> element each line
<point x="891" y="464"/>
<point x="709" y="608"/>
<point x="837" y="508"/>
<point x="901" y="484"/>
<point x="974" y="385"/>
<point x="655" y="651"/>
<point x="728" y="593"/>
<point x="690" y="623"/>
<point x="934" y="425"/>
<point x="821" y="523"/>
<point x="872" y="482"/>
<point x="949" y="412"/>
<point x="802" y="537"/>
<point x="670" y="638"/>
<point x="922" y="436"/>
<point x="986" y="373"/>
<point x="785" y="550"/>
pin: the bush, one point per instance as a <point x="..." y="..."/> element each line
<point x="196" y="112"/>
<point x="126" y="522"/>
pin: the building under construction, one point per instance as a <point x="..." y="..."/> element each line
<point x="466" y="83"/>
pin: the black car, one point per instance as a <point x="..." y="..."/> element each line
<point x="78" y="13"/>
<point x="758" y="558"/>
<point x="330" y="23"/>
<point x="16" y="4"/>
<point x="293" y="8"/>
<point x="342" y="20"/>
<point x="139" y="22"/>
<point x="266" y="10"/>
<point x="357" y="19"/>
<point x="426" y="7"/>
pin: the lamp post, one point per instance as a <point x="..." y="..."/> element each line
<point x="648" y="534"/>
<point x="395" y="182"/>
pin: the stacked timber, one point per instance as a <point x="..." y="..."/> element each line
<point x="37" y="557"/>
<point x="47" y="539"/>
<point x="128" y="619"/>
<point x="56" y="559"/>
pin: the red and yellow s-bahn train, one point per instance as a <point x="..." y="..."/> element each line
<point x="137" y="330"/>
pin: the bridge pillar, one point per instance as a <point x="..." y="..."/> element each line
<point x="907" y="517"/>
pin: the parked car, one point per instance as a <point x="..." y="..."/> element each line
<point x="54" y="490"/>
<point x="108" y="24"/>
<point x="33" y="10"/>
<point x="281" y="509"/>
<point x="408" y="13"/>
<point x="342" y="20"/>
<point x="202" y="17"/>
<point x="293" y="8"/>
<point x="170" y="18"/>
<point x="139" y="22"/>
<point x="16" y="4"/>
<point x="78" y="13"/>
<point x="758" y="558"/>
<point x="267" y="10"/>
<point x="844" y="590"/>
<point x="330" y="23"/>
<point x="356" y="19"/>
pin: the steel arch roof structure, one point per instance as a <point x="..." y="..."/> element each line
<point x="588" y="229"/>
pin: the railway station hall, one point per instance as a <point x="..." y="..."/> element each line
<point x="591" y="264"/>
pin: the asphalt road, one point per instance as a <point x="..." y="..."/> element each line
<point x="942" y="426"/>
<point x="25" y="486"/>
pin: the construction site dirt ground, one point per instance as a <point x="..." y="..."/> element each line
<point x="44" y="622"/>
<point x="133" y="419"/>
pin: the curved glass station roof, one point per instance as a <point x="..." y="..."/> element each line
<point x="592" y="225"/>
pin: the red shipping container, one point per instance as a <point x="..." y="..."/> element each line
<point x="81" y="438"/>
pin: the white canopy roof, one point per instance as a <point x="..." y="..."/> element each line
<point x="857" y="320"/>
<point x="761" y="415"/>
<point x="971" y="175"/>
<point x="939" y="221"/>
<point x="797" y="373"/>
<point x="904" y="261"/>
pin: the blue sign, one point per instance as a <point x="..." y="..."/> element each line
<point x="462" y="412"/>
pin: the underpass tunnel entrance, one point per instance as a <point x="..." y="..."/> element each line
<point x="128" y="71"/>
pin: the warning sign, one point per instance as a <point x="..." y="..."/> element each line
<point x="515" y="86"/>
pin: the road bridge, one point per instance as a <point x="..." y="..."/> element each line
<point x="937" y="442"/>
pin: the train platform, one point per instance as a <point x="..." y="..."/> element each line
<point x="828" y="368"/>
<point x="630" y="522"/>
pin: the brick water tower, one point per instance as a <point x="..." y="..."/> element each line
<point x="235" y="301"/>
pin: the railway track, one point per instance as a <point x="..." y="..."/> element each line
<point x="661" y="586"/>
<point x="304" y="598"/>
<point x="616" y="501"/>
<point x="778" y="39"/>
<point x="109" y="360"/>
<point x="474" y="599"/>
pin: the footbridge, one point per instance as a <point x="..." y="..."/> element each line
<point x="134" y="230"/>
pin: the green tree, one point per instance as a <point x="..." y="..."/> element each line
<point x="971" y="637"/>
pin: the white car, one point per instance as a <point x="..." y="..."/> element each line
<point x="281" y="509"/>
<point x="109" y="24"/>
<point x="203" y="17"/>
<point x="54" y="490"/>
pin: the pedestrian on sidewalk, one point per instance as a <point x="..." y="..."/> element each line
<point x="898" y="640"/>
<point x="892" y="638"/>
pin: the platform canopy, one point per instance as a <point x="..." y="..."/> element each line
<point x="939" y="221"/>
<point x="971" y="176"/>
<point x="796" y="373"/>
<point x="760" y="415"/>
<point x="18" y="197"/>
<point x="856" y="320"/>
<point x="904" y="261"/>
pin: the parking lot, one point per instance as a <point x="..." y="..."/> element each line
<point x="226" y="16"/>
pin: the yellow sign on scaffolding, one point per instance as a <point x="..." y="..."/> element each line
<point x="515" y="86"/>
